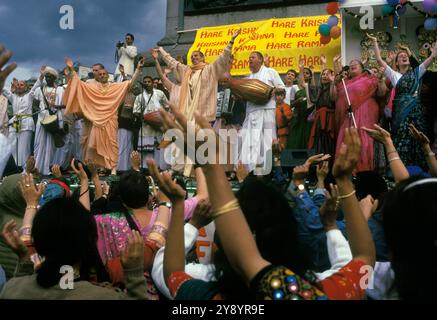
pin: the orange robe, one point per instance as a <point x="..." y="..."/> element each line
<point x="283" y="118"/>
<point x="99" y="106"/>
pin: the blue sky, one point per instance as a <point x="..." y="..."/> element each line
<point x="30" y="28"/>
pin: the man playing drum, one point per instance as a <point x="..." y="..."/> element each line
<point x="50" y="121"/>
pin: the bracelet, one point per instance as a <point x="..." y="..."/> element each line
<point x="31" y="207"/>
<point x="394" y="158"/>
<point x="346" y="195"/>
<point x="228" y="207"/>
<point x="393" y="151"/>
<point x="88" y="189"/>
<point x="430" y="154"/>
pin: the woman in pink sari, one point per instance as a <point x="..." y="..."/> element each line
<point x="362" y="89"/>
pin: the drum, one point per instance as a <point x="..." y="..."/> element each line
<point x="251" y="90"/>
<point x="153" y="119"/>
<point x="50" y="124"/>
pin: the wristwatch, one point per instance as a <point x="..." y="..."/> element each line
<point x="167" y="204"/>
<point x="300" y="187"/>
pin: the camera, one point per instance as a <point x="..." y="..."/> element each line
<point x="119" y="44"/>
<point x="85" y="168"/>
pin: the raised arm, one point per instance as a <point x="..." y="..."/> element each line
<point x="431" y="58"/>
<point x="359" y="235"/>
<point x="301" y="80"/>
<point x="137" y="74"/>
<point x="5" y="55"/>
<point x="202" y="189"/>
<point x="165" y="81"/>
<point x="423" y="140"/>
<point x="84" y="196"/>
<point x="231" y="226"/>
<point x="381" y="62"/>
<point x="175" y="65"/>
<point x="221" y="64"/>
<point x="398" y="168"/>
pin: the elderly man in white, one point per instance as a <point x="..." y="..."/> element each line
<point x="20" y="132"/>
<point x="126" y="53"/>
<point x="259" y="127"/>
<point x="50" y="99"/>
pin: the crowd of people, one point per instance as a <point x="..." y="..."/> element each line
<point x="333" y="229"/>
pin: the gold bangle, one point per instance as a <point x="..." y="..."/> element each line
<point x="228" y="207"/>
<point x="31" y="207"/>
<point x="346" y="195"/>
<point x="393" y="159"/>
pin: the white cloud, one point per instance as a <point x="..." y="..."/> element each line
<point x="24" y="71"/>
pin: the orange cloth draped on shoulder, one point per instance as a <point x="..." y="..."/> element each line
<point x="99" y="104"/>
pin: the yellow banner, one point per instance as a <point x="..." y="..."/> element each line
<point x="286" y="41"/>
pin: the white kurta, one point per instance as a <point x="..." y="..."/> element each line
<point x="290" y="92"/>
<point x="126" y="57"/>
<point x="44" y="142"/>
<point x="149" y="137"/>
<point x="22" y="105"/>
<point x="259" y="127"/>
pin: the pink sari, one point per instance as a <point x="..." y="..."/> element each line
<point x="362" y="92"/>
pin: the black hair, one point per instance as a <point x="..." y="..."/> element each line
<point x="200" y="53"/>
<point x="131" y="35"/>
<point x="409" y="221"/>
<point x="273" y="224"/>
<point x="148" y="77"/>
<point x="310" y="71"/>
<point x="260" y="55"/>
<point x="65" y="233"/>
<point x="156" y="78"/>
<point x="370" y="182"/>
<point x="292" y="71"/>
<point x="99" y="64"/>
<point x="134" y="189"/>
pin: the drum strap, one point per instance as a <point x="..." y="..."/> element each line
<point x="46" y="102"/>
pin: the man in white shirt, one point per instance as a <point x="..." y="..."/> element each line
<point x="126" y="53"/>
<point x="20" y="133"/>
<point x="290" y="87"/>
<point x="150" y="100"/>
<point x="259" y="127"/>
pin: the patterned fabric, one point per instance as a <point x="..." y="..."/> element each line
<point x="408" y="109"/>
<point x="113" y="230"/>
<point x="346" y="283"/>
<point x="362" y="92"/>
<point x="300" y="127"/>
<point x="280" y="283"/>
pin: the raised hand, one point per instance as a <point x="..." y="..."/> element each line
<point x="29" y="191"/>
<point x="329" y="210"/>
<point x="348" y="156"/>
<point x="322" y="170"/>
<point x="5" y="55"/>
<point x="317" y="158"/>
<point x="170" y="188"/>
<point x="69" y="63"/>
<point x="135" y="160"/>
<point x="368" y="206"/>
<point x="154" y="53"/>
<point x="202" y="214"/>
<point x="337" y="58"/>
<point x="79" y="171"/>
<point x="433" y="50"/>
<point x="12" y="239"/>
<point x="43" y="68"/>
<point x="419" y="136"/>
<point x="323" y="59"/>
<point x="241" y="172"/>
<point x="301" y="64"/>
<point x="133" y="256"/>
<point x="379" y="134"/>
<point x="235" y="35"/>
<point x="300" y="173"/>
<point x="93" y="168"/>
<point x="56" y="171"/>
<point x="141" y="63"/>
<point x="372" y="37"/>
